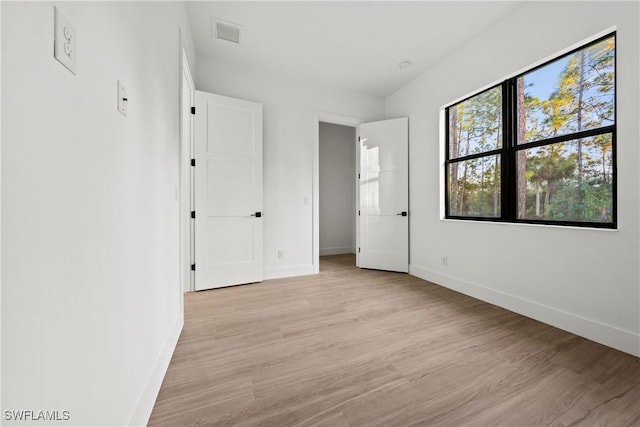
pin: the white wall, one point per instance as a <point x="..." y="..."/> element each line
<point x="289" y="108"/>
<point x="91" y="302"/>
<point x="337" y="189"/>
<point x="582" y="280"/>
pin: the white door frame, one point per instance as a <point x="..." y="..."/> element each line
<point x="335" y="119"/>
<point x="186" y="178"/>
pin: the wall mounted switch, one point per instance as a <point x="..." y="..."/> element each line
<point x="64" y="41"/>
<point x="123" y="100"/>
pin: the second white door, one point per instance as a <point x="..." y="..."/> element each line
<point x="383" y="221"/>
<point x="228" y="191"/>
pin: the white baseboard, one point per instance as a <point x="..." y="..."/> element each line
<point x="279" y="273"/>
<point x="142" y="411"/>
<point x="337" y="250"/>
<point x="609" y="335"/>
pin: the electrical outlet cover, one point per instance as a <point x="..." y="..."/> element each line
<point x="122" y="99"/>
<point x="65" y="41"/>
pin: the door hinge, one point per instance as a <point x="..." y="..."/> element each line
<point x="193" y="162"/>
<point x="193" y="110"/>
<point x="358" y="250"/>
<point x="358" y="213"/>
<point x="358" y="139"/>
<point x="193" y="214"/>
<point x="193" y="267"/>
<point x="358" y="176"/>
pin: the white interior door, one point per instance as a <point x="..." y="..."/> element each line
<point x="383" y="221"/>
<point x="228" y="191"/>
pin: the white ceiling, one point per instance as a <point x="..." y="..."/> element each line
<point x="353" y="45"/>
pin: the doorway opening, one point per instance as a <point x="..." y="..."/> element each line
<point x="335" y="119"/>
<point x="337" y="195"/>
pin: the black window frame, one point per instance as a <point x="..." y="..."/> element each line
<point x="510" y="148"/>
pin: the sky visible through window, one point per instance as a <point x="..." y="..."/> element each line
<point x="546" y="79"/>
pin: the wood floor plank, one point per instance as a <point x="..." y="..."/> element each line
<point x="610" y="404"/>
<point x="351" y="347"/>
<point x="213" y="398"/>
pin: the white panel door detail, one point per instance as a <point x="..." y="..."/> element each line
<point x="228" y="191"/>
<point x="383" y="231"/>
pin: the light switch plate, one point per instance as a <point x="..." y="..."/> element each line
<point x="123" y="100"/>
<point x="64" y="41"/>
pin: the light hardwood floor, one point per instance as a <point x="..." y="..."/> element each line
<point x="354" y="347"/>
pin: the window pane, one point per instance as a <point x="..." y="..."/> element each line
<point x="474" y="187"/>
<point x="567" y="181"/>
<point x="571" y="94"/>
<point x="475" y="125"/>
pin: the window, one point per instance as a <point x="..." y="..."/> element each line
<point x="539" y="147"/>
<point x="474" y="153"/>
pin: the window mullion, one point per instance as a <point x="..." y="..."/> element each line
<point x="565" y="138"/>
<point x="476" y="156"/>
<point x="509" y="199"/>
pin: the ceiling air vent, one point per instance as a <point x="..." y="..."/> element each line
<point x="223" y="30"/>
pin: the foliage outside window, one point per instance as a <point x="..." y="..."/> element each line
<point x="539" y="147"/>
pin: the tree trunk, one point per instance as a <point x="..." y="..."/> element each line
<point x="496" y="172"/>
<point x="580" y="95"/>
<point x="464" y="177"/>
<point x="522" y="154"/>
<point x="546" y="198"/>
<point x="496" y="187"/>
<point x="605" y="178"/>
<point x="537" y="198"/>
<point x="455" y="147"/>
<point x="462" y="190"/>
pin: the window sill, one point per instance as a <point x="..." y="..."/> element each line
<point x="526" y="224"/>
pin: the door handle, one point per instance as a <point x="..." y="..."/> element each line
<point x="257" y="214"/>
<point x="403" y="213"/>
